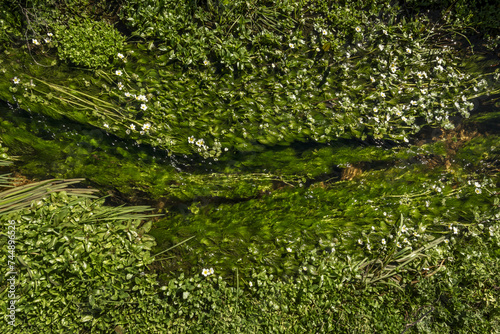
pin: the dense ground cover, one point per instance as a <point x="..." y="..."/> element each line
<point x="320" y="166"/>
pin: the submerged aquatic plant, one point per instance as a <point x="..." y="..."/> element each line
<point x="389" y="82"/>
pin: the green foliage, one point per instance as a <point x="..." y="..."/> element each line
<point x="480" y="14"/>
<point x="10" y="24"/>
<point x="205" y="86"/>
<point x="13" y="200"/>
<point x="88" y="43"/>
<point x="326" y="78"/>
<point x="361" y="217"/>
<point x="3" y="152"/>
<point x="230" y="33"/>
<point x="480" y="151"/>
<point x="76" y="259"/>
<point x="236" y="117"/>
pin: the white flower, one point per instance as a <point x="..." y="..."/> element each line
<point x="289" y="250"/>
<point x="360" y="241"/>
<point x="383" y="242"/>
<point x="477" y="184"/>
<point x="382" y="94"/>
<point x="408" y="50"/>
<point x="438" y="189"/>
<point x="358" y="29"/>
<point x="368" y="246"/>
<point x="324" y="32"/>
<point x="398" y="112"/>
<point x="398" y="244"/>
<point x="118" y="72"/>
<point x="127" y="94"/>
<point x="146" y="126"/>
<point x="318" y="49"/>
<point x="446" y="241"/>
<point x="200" y="142"/>
<point x="205" y="62"/>
<point x="455" y="230"/>
<point x="144" y="107"/>
<point x="120" y="86"/>
<point x="132" y="126"/>
<point x="191" y="140"/>
<point x="106" y="125"/>
<point x="205" y="272"/>
<point x="141" y="98"/>
<point x="50" y="34"/>
<point x="304" y="268"/>
<point x="384" y="32"/>
<point x="413" y="103"/>
<point x="404" y="229"/>
<point x="372" y="79"/>
<point x="478" y="191"/>
<point x="375" y="109"/>
<point x="291" y="45"/>
<point x="16" y="80"/>
<point x="211" y="271"/>
<point x="47" y="40"/>
<point x="121" y="56"/>
<point x="250" y="284"/>
<point x="381" y="47"/>
<point x="36" y="42"/>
